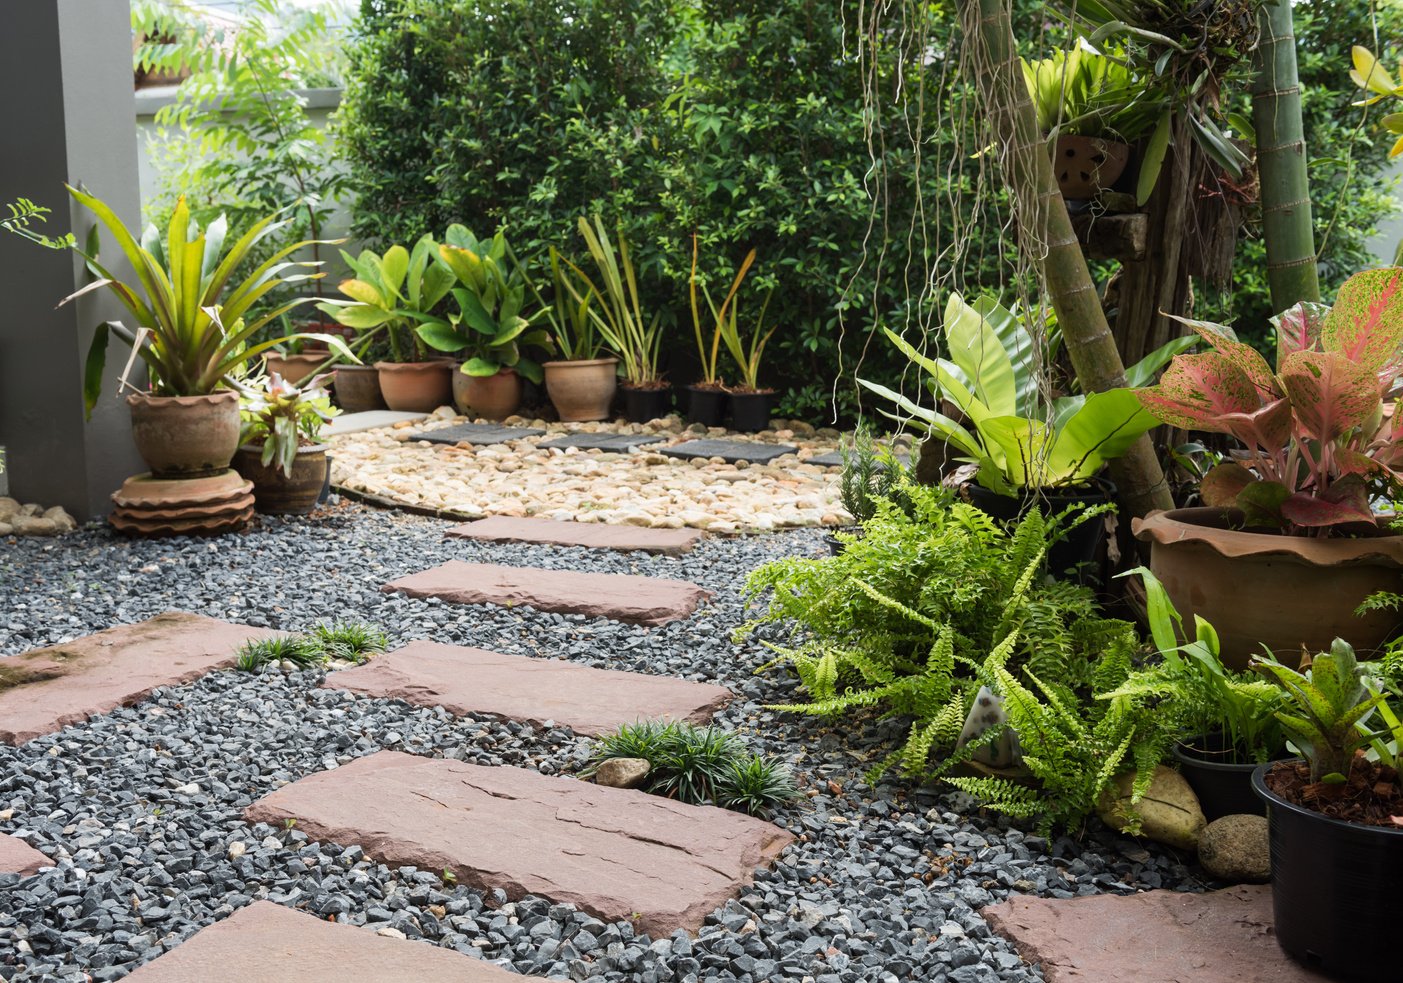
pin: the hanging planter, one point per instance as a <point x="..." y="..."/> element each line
<point x="1087" y="166"/>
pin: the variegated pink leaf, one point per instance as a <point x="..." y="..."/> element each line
<point x="1330" y="394"/>
<point x="1243" y="355"/>
<point x="1346" y="500"/>
<point x="1366" y="323"/>
<point x="1298" y="328"/>
<point x="1197" y="391"/>
<point x="1223" y="483"/>
<point x="1350" y="461"/>
<point x="1268" y="428"/>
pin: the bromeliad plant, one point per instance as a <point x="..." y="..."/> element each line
<point x="487" y="329"/>
<point x="390" y="294"/>
<point x="188" y="308"/>
<point x="1318" y="445"/>
<point x="1017" y="439"/>
<point x="1082" y="91"/>
<point x="283" y="417"/>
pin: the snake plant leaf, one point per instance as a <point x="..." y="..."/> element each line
<point x="1330" y="394"/>
<point x="1366" y="322"/>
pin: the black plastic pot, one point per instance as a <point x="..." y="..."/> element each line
<point x="706" y="406"/>
<point x="1334" y="889"/>
<point x="750" y="412"/>
<point x="1223" y="787"/>
<point x="835" y="545"/>
<point x="1079" y="550"/>
<point x="642" y="405"/>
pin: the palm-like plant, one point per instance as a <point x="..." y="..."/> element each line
<point x="619" y="315"/>
<point x="188" y="309"/>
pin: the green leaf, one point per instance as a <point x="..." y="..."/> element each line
<point x="480" y="367"/>
<point x="93" y="367"/>
<point x="442" y="337"/>
<point x="1153" y="160"/>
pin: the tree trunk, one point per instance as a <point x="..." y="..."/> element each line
<point x="1281" y="160"/>
<point x="1048" y="238"/>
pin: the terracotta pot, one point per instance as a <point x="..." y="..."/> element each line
<point x="1259" y="588"/>
<point x="416" y="387"/>
<point x="274" y="493"/>
<point x="1086" y="166"/>
<point x="186" y="436"/>
<point x="358" y="388"/>
<point x="295" y="369"/>
<point x="582" y="390"/>
<point x="491" y="397"/>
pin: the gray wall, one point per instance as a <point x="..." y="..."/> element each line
<point x="66" y="99"/>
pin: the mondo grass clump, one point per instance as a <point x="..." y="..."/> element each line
<point x="351" y="641"/>
<point x="700" y="766"/>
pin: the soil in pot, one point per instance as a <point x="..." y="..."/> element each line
<point x="358" y="388"/>
<point x="416" y="387"/>
<point x="275" y="493"/>
<point x="1223" y="786"/>
<point x="750" y="411"/>
<point x="492" y="397"/>
<point x="1086" y="166"/>
<point x="706" y="405"/>
<point x="645" y="403"/>
<point x="186" y="436"/>
<point x="582" y="390"/>
<point x="1080" y="550"/>
<point x="1335" y="883"/>
<point x="1236" y="581"/>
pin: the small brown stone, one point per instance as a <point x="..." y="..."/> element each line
<point x="35" y="526"/>
<point x="622" y="772"/>
<point x="18" y="857"/>
<point x="1236" y="849"/>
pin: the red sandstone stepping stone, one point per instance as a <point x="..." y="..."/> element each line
<point x="18" y="857"/>
<point x="47" y="689"/>
<point x="1155" y="937"/>
<point x="515" y="687"/>
<point x="642" y="600"/>
<point x="611" y="852"/>
<point x="267" y="943"/>
<point x="596" y="535"/>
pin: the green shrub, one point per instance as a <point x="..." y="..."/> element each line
<point x="699" y="765"/>
<point x="351" y="641"/>
<point x="300" y="650"/>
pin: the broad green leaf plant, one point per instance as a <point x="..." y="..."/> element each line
<point x="1018" y="440"/>
<point x="390" y="294"/>
<point x="188" y="308"/>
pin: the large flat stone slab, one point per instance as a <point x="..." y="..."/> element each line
<point x="612" y="852"/>
<point x="47" y="689"/>
<point x="478" y="433"/>
<point x="730" y="451"/>
<point x="1155" y="937"/>
<point x="595" y="535"/>
<point x="370" y="420"/>
<point x="18" y="857"/>
<point x="614" y="443"/>
<point x="640" y="600"/>
<point x="267" y="943"/>
<point x="515" y="687"/>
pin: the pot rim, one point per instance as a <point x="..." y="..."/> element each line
<point x="1188" y="754"/>
<point x="1168" y="528"/>
<point x="148" y="399"/>
<point x="1259" y="785"/>
<point x="580" y="362"/>
<point x="1100" y="486"/>
<point x="301" y="448"/>
<point x="1083" y="138"/>
<point x="418" y="366"/>
<point x="353" y="368"/>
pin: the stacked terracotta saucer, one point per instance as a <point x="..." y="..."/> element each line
<point x="208" y="506"/>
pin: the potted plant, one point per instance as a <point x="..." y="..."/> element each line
<point x="581" y="384"/>
<point x="1220" y="724"/>
<point x="749" y="404"/>
<point x="706" y="398"/>
<point x="190" y="332"/>
<point x="1335" y="820"/>
<point x="388" y="296"/>
<point x="1290" y="516"/>
<point x="618" y="317"/>
<point x="1025" y="449"/>
<point x="281" y="447"/>
<point x="487" y="330"/>
<point x="1096" y="109"/>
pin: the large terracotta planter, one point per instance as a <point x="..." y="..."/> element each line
<point x="1086" y="166"/>
<point x="1259" y="588"/>
<point x="358" y="388"/>
<point x="416" y="387"/>
<point x="491" y="397"/>
<point x="186" y="436"/>
<point x="296" y="369"/>
<point x="275" y="493"/>
<point x="582" y="390"/>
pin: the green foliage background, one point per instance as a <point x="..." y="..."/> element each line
<point x="744" y="121"/>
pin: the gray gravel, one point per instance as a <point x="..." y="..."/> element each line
<point x="140" y="809"/>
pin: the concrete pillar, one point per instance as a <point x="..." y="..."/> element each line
<point x="66" y="99"/>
